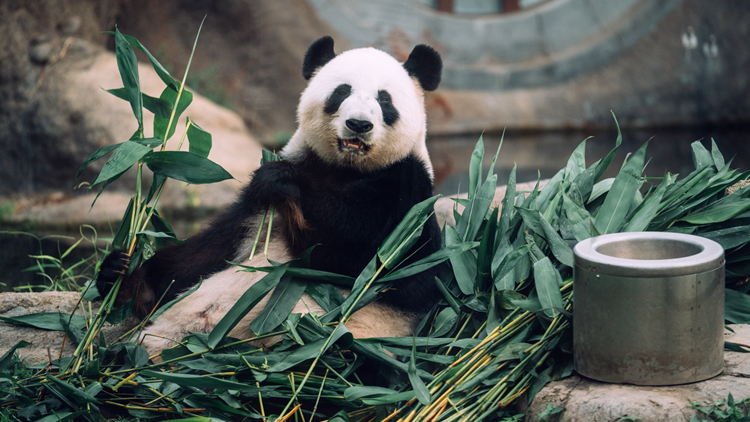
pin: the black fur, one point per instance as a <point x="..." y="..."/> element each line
<point x="347" y="214"/>
<point x="337" y="97"/>
<point x="390" y="114"/>
<point x="319" y="53"/>
<point x="425" y="64"/>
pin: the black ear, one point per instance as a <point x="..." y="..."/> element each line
<point x="425" y="64"/>
<point x="319" y="53"/>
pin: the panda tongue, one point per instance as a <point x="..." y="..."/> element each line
<point x="353" y="143"/>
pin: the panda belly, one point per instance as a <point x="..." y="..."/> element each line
<point x="204" y="308"/>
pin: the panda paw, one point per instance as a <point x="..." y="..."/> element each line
<point x="114" y="265"/>
<point x="276" y="182"/>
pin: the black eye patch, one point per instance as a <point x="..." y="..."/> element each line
<point x="390" y="114"/>
<point x="337" y="97"/>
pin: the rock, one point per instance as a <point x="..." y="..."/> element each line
<point x="587" y="400"/>
<point x="44" y="343"/>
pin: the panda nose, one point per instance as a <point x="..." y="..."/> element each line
<point x="359" y="126"/>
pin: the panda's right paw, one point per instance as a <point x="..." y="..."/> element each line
<point x="114" y="265"/>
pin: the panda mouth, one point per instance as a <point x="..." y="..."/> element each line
<point x="354" y="144"/>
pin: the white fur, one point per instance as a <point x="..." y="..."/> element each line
<point x="367" y="70"/>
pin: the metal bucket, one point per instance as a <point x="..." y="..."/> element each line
<point x="649" y="308"/>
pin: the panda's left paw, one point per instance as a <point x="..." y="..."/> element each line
<point x="276" y="183"/>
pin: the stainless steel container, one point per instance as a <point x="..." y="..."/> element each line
<point x="648" y="308"/>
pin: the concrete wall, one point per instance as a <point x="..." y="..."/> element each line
<point x="567" y="63"/>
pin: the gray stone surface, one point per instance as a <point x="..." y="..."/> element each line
<point x="586" y="400"/>
<point x="44" y="343"/>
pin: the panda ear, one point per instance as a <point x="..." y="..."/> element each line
<point x="319" y="53"/>
<point x="425" y="64"/>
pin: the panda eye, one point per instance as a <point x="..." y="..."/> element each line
<point x="343" y="90"/>
<point x="384" y="97"/>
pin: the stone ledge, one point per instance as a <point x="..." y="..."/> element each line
<point x="586" y="400"/>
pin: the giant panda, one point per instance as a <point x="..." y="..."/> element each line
<point x="354" y="167"/>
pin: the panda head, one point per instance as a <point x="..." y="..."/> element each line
<point x="362" y="108"/>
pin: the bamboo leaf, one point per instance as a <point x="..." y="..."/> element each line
<point x="7" y="357"/>
<point x="160" y="70"/>
<point x="99" y="153"/>
<point x="486" y="250"/>
<point x="548" y="281"/>
<point x="729" y="238"/>
<point x="244" y="304"/>
<point x="464" y="264"/>
<point x="199" y="139"/>
<point x="185" y="167"/>
<point x="475" y="167"/>
<point x="174" y="301"/>
<point x="199" y="381"/>
<point x="577" y="162"/>
<point x="719" y="212"/>
<point x="313" y="350"/>
<point x="647" y="210"/>
<point x="430" y="261"/>
<point x="701" y="157"/>
<point x="716" y="155"/>
<point x="579" y="218"/>
<point x="46" y="320"/>
<point x="283" y="299"/>
<point x="508" y="201"/>
<point x="536" y="222"/>
<point x="400" y="241"/>
<point x="620" y="197"/>
<point x="123" y="158"/>
<point x="736" y="307"/>
<point x="127" y="63"/>
<point x="155" y="105"/>
<point x="473" y="216"/>
<point x="419" y="387"/>
<point x="160" y="123"/>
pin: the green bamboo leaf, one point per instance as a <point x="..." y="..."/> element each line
<point x="602" y="165"/>
<point x="719" y="212"/>
<point x="359" y="285"/>
<point x="99" y="153"/>
<point x="79" y="395"/>
<point x="185" y="167"/>
<point x="430" y="261"/>
<point x="358" y="392"/>
<point x="486" y="250"/>
<point x="475" y="167"/>
<point x="620" y="197"/>
<point x="199" y="139"/>
<point x="160" y="123"/>
<point x="647" y="210"/>
<point x="491" y="171"/>
<point x="464" y="264"/>
<point x="340" y="336"/>
<point x="444" y="323"/>
<point x="123" y="158"/>
<point x="584" y="182"/>
<point x="160" y="70"/>
<point x="283" y="299"/>
<point x="448" y="296"/>
<point x="155" y="105"/>
<point x="127" y="63"/>
<point x="548" y="192"/>
<point x="419" y="387"/>
<point x="473" y="216"/>
<point x="46" y="320"/>
<point x="736" y="307"/>
<point x="730" y="238"/>
<point x="7" y="357"/>
<point x="716" y="155"/>
<point x="400" y="241"/>
<point x="507" y="205"/>
<point x="244" y="304"/>
<point x="536" y="222"/>
<point x="389" y="399"/>
<point x="600" y="188"/>
<point x="701" y="157"/>
<point x="577" y="162"/>
<point x="548" y="281"/>
<point x="579" y="218"/>
<point x="199" y="381"/>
